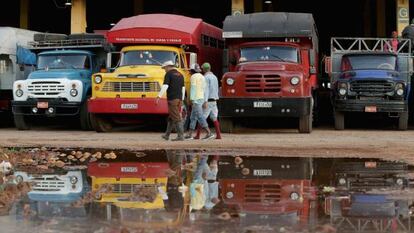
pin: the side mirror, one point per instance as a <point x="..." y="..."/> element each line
<point x="112" y="60"/>
<point x="312" y="70"/>
<point x="328" y="63"/>
<point x="193" y="59"/>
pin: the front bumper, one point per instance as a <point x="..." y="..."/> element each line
<point x="279" y="107"/>
<point x="128" y="106"/>
<point x="64" y="198"/>
<point x="61" y="108"/>
<point x="386" y="106"/>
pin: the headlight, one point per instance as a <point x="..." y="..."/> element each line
<point x="342" y="181"/>
<point x="400" y="92"/>
<point x="342" y="91"/>
<point x="73" y="92"/>
<point x="73" y="179"/>
<point x="19" y="93"/>
<point x="399" y="181"/>
<point x="229" y="195"/>
<point x="294" y="80"/>
<point x="294" y="196"/>
<point x="19" y="179"/>
<point x="230" y="81"/>
<point x="97" y="79"/>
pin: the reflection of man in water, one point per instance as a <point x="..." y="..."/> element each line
<point x="211" y="184"/>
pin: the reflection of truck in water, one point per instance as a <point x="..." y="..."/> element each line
<point x="54" y="192"/>
<point x="369" y="196"/>
<point x="273" y="63"/>
<point x="366" y="77"/>
<point x="265" y="186"/>
<point x="138" y="186"/>
<point x="61" y="84"/>
<point x="129" y="93"/>
<point x="15" y="62"/>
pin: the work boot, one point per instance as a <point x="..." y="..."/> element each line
<point x="217" y="127"/>
<point x="170" y="126"/>
<point x="189" y="135"/>
<point x="209" y="135"/>
<point x="180" y="131"/>
<point x="198" y="132"/>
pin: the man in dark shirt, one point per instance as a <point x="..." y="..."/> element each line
<point x="408" y="32"/>
<point x="174" y="86"/>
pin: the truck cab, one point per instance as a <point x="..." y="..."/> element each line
<point x="272" y="68"/>
<point x="370" y="78"/>
<point x="128" y="92"/>
<point x="60" y="86"/>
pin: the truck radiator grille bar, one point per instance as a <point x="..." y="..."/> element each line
<point x="131" y="87"/>
<point x="128" y="188"/>
<point x="262" y="193"/>
<point x="48" y="184"/>
<point x="262" y="83"/>
<point x="45" y="88"/>
<point x="372" y="87"/>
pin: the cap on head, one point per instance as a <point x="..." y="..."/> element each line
<point x="206" y="66"/>
<point x="195" y="67"/>
<point x="167" y="63"/>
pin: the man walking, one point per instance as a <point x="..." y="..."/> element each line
<point x="174" y="86"/>
<point x="211" y="97"/>
<point x="197" y="96"/>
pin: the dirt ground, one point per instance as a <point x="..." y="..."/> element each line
<point x="387" y="144"/>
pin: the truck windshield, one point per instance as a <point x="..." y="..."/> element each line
<point x="71" y="61"/>
<point x="368" y="62"/>
<point x="148" y="57"/>
<point x="269" y="53"/>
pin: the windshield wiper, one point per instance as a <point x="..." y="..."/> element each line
<point x="277" y="57"/>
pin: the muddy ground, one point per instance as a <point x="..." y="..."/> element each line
<point x="387" y="144"/>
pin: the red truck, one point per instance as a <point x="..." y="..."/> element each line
<point x="273" y="65"/>
<point x="265" y="188"/>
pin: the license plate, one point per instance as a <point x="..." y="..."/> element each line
<point x="262" y="172"/>
<point x="129" y="169"/>
<point x="262" y="104"/>
<point x="370" y="164"/>
<point x="42" y="104"/>
<point x="129" y="106"/>
<point x="370" y="108"/>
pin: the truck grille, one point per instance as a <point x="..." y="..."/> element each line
<point x="48" y="184"/>
<point x="131" y="87"/>
<point x="372" y="87"/>
<point x="262" y="193"/>
<point x="128" y="188"/>
<point x="262" y="83"/>
<point x="46" y="88"/>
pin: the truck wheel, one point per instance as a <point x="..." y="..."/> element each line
<point x="85" y="117"/>
<point x="226" y="125"/>
<point x="403" y="121"/>
<point x="339" y="118"/>
<point x="100" y="124"/>
<point x="21" y="123"/>
<point x="305" y="122"/>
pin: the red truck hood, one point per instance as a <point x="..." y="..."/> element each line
<point x="268" y="66"/>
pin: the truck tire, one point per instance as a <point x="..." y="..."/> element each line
<point x="21" y="123"/>
<point x="403" y="121"/>
<point x="226" y="125"/>
<point x="84" y="36"/>
<point x="339" y="118"/>
<point x="100" y="124"/>
<point x="85" y="117"/>
<point x="306" y="121"/>
<point x="49" y="36"/>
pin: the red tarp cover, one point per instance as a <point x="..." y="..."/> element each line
<point x="156" y="29"/>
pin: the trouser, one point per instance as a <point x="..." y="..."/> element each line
<point x="197" y="116"/>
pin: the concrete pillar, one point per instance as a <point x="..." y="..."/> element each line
<point x="381" y="18"/>
<point x="78" y="16"/>
<point x="237" y="7"/>
<point x="258" y="5"/>
<point x="24" y="14"/>
<point x="138" y="7"/>
<point x="403" y="14"/>
<point x="367" y="18"/>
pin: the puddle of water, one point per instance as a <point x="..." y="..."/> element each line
<point x="92" y="190"/>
